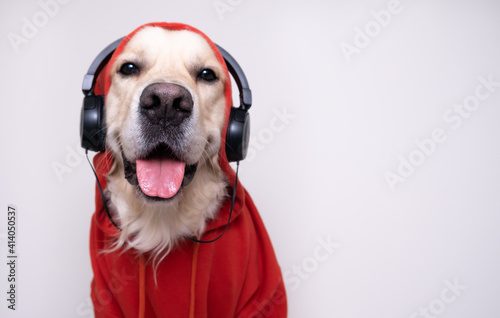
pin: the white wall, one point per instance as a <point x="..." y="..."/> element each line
<point x="319" y="175"/>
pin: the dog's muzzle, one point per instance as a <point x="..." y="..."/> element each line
<point x="159" y="171"/>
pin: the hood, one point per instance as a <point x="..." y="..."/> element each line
<point x="104" y="161"/>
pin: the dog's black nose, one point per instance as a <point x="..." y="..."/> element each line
<point x="166" y="103"/>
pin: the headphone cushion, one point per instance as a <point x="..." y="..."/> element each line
<point x="238" y="134"/>
<point x="92" y="128"/>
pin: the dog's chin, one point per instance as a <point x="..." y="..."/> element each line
<point x="159" y="153"/>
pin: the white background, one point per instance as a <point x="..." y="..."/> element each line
<point x="320" y="175"/>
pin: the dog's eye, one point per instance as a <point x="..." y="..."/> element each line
<point x="207" y="75"/>
<point x="129" y="69"/>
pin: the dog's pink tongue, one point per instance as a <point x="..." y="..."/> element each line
<point x="160" y="177"/>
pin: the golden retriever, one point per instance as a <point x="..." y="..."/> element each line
<point x="166" y="110"/>
<point x="186" y="132"/>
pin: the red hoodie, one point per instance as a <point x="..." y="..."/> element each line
<point x="236" y="276"/>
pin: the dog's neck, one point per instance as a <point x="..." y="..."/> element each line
<point x="155" y="227"/>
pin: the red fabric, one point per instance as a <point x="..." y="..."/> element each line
<point x="236" y="276"/>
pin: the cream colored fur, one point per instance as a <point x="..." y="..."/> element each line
<point x="174" y="57"/>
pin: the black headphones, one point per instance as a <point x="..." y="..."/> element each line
<point x="92" y="122"/>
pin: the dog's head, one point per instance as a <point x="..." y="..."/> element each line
<point x="167" y="103"/>
<point x="165" y="110"/>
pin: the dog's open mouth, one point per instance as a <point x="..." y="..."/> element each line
<point x="160" y="175"/>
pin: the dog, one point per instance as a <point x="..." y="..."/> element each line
<point x="168" y="189"/>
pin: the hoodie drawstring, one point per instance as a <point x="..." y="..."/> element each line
<point x="193" y="280"/>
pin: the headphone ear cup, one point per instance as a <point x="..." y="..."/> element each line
<point x="92" y="128"/>
<point x="238" y="134"/>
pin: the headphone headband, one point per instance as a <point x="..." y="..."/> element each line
<point x="233" y="67"/>
<point x="239" y="77"/>
<point x="97" y="65"/>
